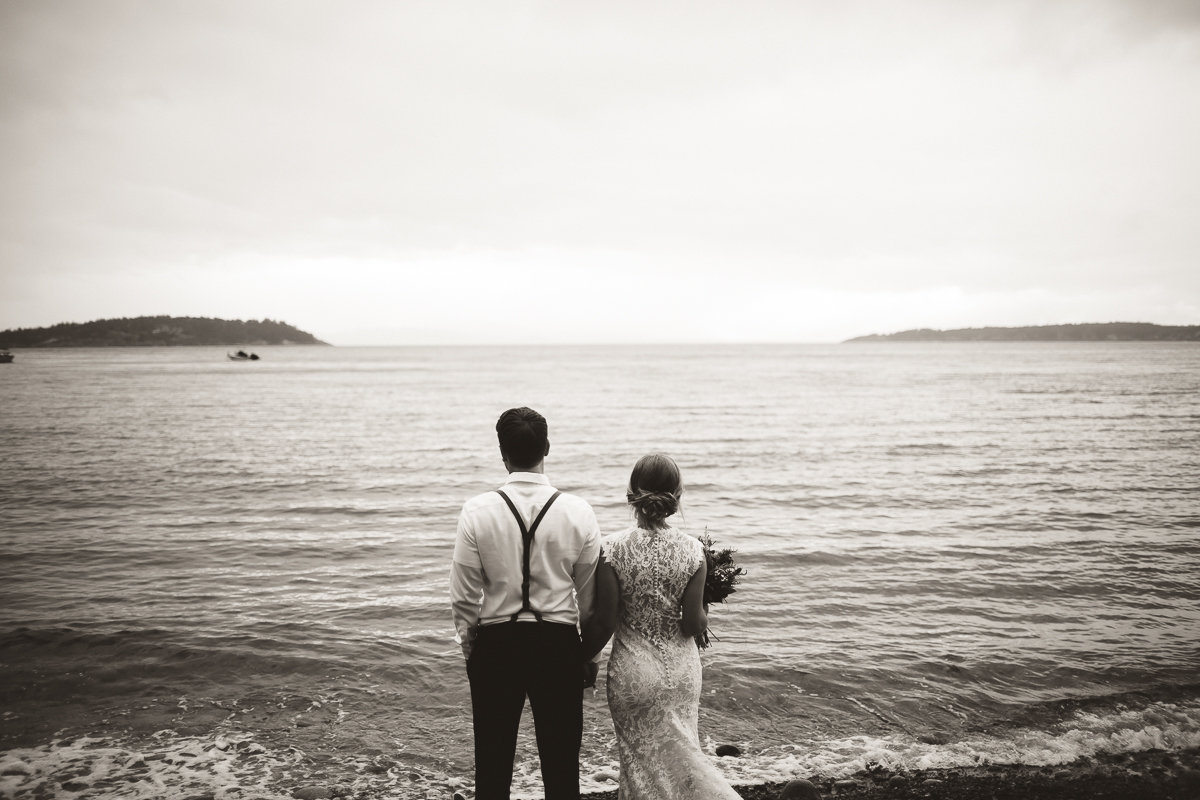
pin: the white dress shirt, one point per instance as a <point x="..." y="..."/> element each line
<point x="485" y="579"/>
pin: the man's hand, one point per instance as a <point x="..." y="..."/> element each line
<point x="590" y="670"/>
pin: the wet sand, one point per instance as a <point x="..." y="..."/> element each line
<point x="1151" y="775"/>
<point x="1141" y="776"/>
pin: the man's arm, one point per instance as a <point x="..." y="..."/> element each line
<point x="466" y="586"/>
<point x="466" y="598"/>
<point x="584" y="575"/>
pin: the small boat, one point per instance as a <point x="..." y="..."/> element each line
<point x="242" y="355"/>
<point x="5" y="357"/>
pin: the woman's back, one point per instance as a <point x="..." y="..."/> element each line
<point x="653" y="568"/>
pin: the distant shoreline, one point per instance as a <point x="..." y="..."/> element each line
<point x="242" y="343"/>
<point x="1082" y="332"/>
<point x="162" y="331"/>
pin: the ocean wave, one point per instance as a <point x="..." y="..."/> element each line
<point x="227" y="535"/>
<point x="126" y="659"/>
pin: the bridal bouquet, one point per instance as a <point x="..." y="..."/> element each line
<point x="723" y="574"/>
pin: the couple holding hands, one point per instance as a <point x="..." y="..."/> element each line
<point x="527" y="570"/>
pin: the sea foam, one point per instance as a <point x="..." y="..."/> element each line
<point x="164" y="766"/>
<point x="169" y="766"/>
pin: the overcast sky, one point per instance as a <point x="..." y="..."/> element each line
<point x="390" y="172"/>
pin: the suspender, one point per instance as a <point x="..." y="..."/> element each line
<point x="527" y="539"/>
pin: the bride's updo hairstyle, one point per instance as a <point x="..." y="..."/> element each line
<point x="654" y="489"/>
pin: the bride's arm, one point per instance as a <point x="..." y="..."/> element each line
<point x="600" y="625"/>
<point x="695" y="618"/>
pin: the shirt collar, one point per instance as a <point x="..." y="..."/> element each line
<point x="527" y="477"/>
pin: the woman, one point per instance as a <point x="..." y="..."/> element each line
<point x="650" y="589"/>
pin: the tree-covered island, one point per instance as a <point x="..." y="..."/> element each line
<point x="1081" y="332"/>
<point x="158" y="332"/>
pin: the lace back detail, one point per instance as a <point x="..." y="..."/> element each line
<point x="654" y="568"/>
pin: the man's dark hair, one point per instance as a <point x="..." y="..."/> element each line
<point x="523" y="436"/>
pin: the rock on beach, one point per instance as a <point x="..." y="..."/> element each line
<point x="800" y="789"/>
<point x="322" y="792"/>
<point x="313" y="793"/>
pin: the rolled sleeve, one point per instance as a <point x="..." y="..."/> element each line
<point x="584" y="575"/>
<point x="466" y="598"/>
<point x="466" y="585"/>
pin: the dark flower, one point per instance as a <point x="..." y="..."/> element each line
<point x="722" y="578"/>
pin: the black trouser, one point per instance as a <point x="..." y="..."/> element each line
<point x="541" y="660"/>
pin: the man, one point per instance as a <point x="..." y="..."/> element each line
<point x="522" y="579"/>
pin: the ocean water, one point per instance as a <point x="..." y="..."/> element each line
<point x="957" y="553"/>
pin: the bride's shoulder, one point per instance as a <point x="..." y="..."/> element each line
<point x="614" y="539"/>
<point x="615" y="549"/>
<point x="689" y="543"/>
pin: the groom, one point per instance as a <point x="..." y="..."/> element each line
<point x="524" y="560"/>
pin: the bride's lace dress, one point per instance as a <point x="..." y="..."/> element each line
<point x="654" y="672"/>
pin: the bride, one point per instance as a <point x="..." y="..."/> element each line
<point x="650" y="589"/>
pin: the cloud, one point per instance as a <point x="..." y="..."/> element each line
<point x="884" y="147"/>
